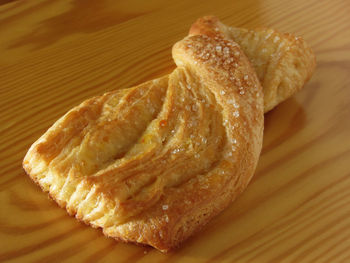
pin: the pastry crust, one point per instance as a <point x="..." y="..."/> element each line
<point x="153" y="163"/>
<point x="283" y="62"/>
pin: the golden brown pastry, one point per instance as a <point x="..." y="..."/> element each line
<point x="282" y="61"/>
<point x="153" y="163"/>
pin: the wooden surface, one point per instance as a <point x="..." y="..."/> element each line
<point x="55" y="54"/>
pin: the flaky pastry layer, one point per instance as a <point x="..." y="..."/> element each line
<point x="153" y="163"/>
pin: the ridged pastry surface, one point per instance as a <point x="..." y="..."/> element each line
<point x="282" y="61"/>
<point x="153" y="163"/>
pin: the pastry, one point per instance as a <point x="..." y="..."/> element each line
<point x="153" y="163"/>
<point x="282" y="61"/>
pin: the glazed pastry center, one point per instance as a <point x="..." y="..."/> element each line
<point x="135" y="142"/>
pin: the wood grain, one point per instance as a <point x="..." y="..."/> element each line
<point x="54" y="54"/>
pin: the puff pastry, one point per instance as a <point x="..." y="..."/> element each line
<point x="282" y="61"/>
<point x="153" y="163"/>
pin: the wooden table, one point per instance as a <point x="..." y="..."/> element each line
<point x="55" y="54"/>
